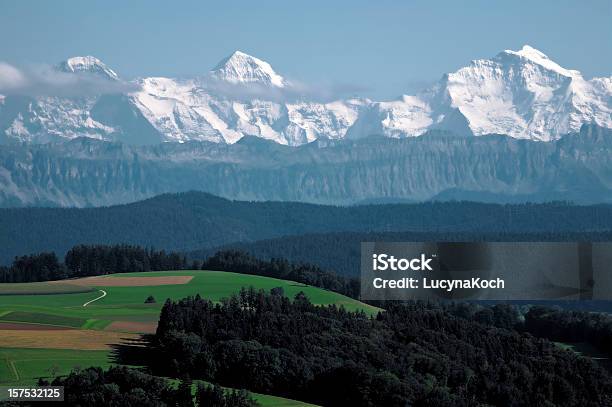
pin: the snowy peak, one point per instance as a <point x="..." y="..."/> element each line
<point x="88" y="64"/>
<point x="530" y="54"/>
<point x="241" y="68"/>
<point x="524" y="94"/>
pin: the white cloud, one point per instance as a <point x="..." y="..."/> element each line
<point x="10" y="77"/>
<point x="45" y="80"/>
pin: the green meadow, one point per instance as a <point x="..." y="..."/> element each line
<point x="25" y="366"/>
<point x="128" y="303"/>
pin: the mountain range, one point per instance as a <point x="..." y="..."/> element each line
<point x="522" y="94"/>
<point x="436" y="166"/>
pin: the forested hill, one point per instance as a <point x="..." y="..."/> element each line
<point x="341" y="251"/>
<point x="195" y="220"/>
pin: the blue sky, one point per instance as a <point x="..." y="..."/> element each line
<point x="385" y="47"/>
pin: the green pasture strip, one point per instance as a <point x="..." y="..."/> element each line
<point x="96" y="324"/>
<point x="30" y="364"/>
<point x="45" y="319"/>
<point x="153" y="317"/>
<point x="265" y="400"/>
<point x="107" y="313"/>
<point x="60" y="300"/>
<point x="216" y="285"/>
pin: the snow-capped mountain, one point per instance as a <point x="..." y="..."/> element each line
<point x="87" y="64"/>
<point x="239" y="97"/>
<point x="240" y="68"/>
<point x="523" y="94"/>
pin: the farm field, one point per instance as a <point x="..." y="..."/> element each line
<point x="23" y="366"/>
<point x="124" y="302"/>
<point x="45" y="328"/>
<point x="42" y="288"/>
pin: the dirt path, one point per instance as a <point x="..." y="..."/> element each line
<point x="96" y="299"/>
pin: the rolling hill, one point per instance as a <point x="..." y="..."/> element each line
<point x="195" y="220"/>
<point x="46" y="331"/>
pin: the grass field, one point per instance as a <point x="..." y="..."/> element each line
<point x="45" y="319"/>
<point x="265" y="400"/>
<point x="272" y="401"/>
<point x="25" y="366"/>
<point x="57" y="332"/>
<point x="20" y="366"/>
<point x="127" y="303"/>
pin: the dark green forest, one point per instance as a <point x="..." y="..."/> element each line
<point x="196" y="220"/>
<point x="545" y="321"/>
<point x="418" y="354"/>
<point x="305" y="273"/>
<point x="412" y="354"/>
<point x="90" y="260"/>
<point x="571" y="326"/>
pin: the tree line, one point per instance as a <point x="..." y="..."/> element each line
<point x="411" y="354"/>
<point x="571" y="326"/>
<point x="93" y="260"/>
<point x="242" y="262"/>
<point x="340" y="251"/>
